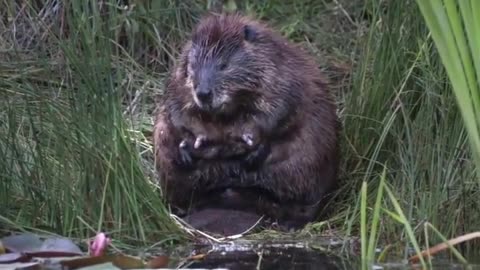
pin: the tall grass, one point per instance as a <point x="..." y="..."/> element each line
<point x="400" y="113"/>
<point x="368" y="247"/>
<point x="76" y="94"/>
<point x="455" y="29"/>
<point x="70" y="162"/>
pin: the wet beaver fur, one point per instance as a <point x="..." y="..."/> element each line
<point x="246" y="122"/>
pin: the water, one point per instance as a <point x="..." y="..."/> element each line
<point x="270" y="259"/>
<point x="242" y="255"/>
<point x="318" y="254"/>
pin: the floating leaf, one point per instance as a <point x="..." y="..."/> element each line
<point x="103" y="266"/>
<point x="158" y="262"/>
<point x="54" y="247"/>
<point x="122" y="261"/>
<point x="32" y="245"/>
<point x="21" y="266"/>
<point x="56" y="253"/>
<point x="11" y="257"/>
<point x="80" y="262"/>
<point x="128" y="262"/>
<point x="22" y="242"/>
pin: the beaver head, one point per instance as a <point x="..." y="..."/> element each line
<point x="224" y="63"/>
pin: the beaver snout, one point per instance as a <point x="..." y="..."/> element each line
<point x="203" y="90"/>
<point x="204" y="95"/>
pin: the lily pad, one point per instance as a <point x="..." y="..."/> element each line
<point x="158" y="262"/>
<point x="54" y="247"/>
<point x="31" y="252"/>
<point x="11" y="257"/>
<point x="33" y="245"/>
<point x="122" y="261"/>
<point x="103" y="266"/>
<point x="21" y="266"/>
<point x="22" y="242"/>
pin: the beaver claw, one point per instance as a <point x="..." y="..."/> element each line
<point x="248" y="139"/>
<point x="257" y="156"/>
<point x="199" y="141"/>
<point x="185" y="160"/>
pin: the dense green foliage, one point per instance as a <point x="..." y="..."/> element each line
<point x="455" y="29"/>
<point x="76" y="94"/>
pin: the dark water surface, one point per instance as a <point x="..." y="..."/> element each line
<point x="272" y="258"/>
<point x="240" y="255"/>
<point x="243" y="255"/>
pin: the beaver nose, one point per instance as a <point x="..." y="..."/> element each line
<point x="203" y="90"/>
<point x="204" y="94"/>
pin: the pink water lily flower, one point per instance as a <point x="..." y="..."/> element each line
<point x="99" y="244"/>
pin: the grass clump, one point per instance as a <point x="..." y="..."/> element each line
<point x="454" y="28"/>
<point x="77" y="82"/>
<point x="70" y="161"/>
<point x="400" y="113"/>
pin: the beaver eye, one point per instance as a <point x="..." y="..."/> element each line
<point x="223" y="66"/>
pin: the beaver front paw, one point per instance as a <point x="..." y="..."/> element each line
<point x="256" y="157"/>
<point x="200" y="141"/>
<point x="193" y="151"/>
<point x="248" y="139"/>
<point x="185" y="159"/>
<point x="187" y="153"/>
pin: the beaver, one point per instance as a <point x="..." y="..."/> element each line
<point x="252" y="88"/>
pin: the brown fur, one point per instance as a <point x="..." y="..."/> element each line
<point x="277" y="94"/>
<point x="256" y="201"/>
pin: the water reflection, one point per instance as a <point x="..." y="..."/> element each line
<point x="243" y="255"/>
<point x="271" y="259"/>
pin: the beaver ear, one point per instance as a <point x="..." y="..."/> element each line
<point x="249" y="33"/>
<point x="186" y="56"/>
<point x="181" y="70"/>
<point x="183" y="64"/>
